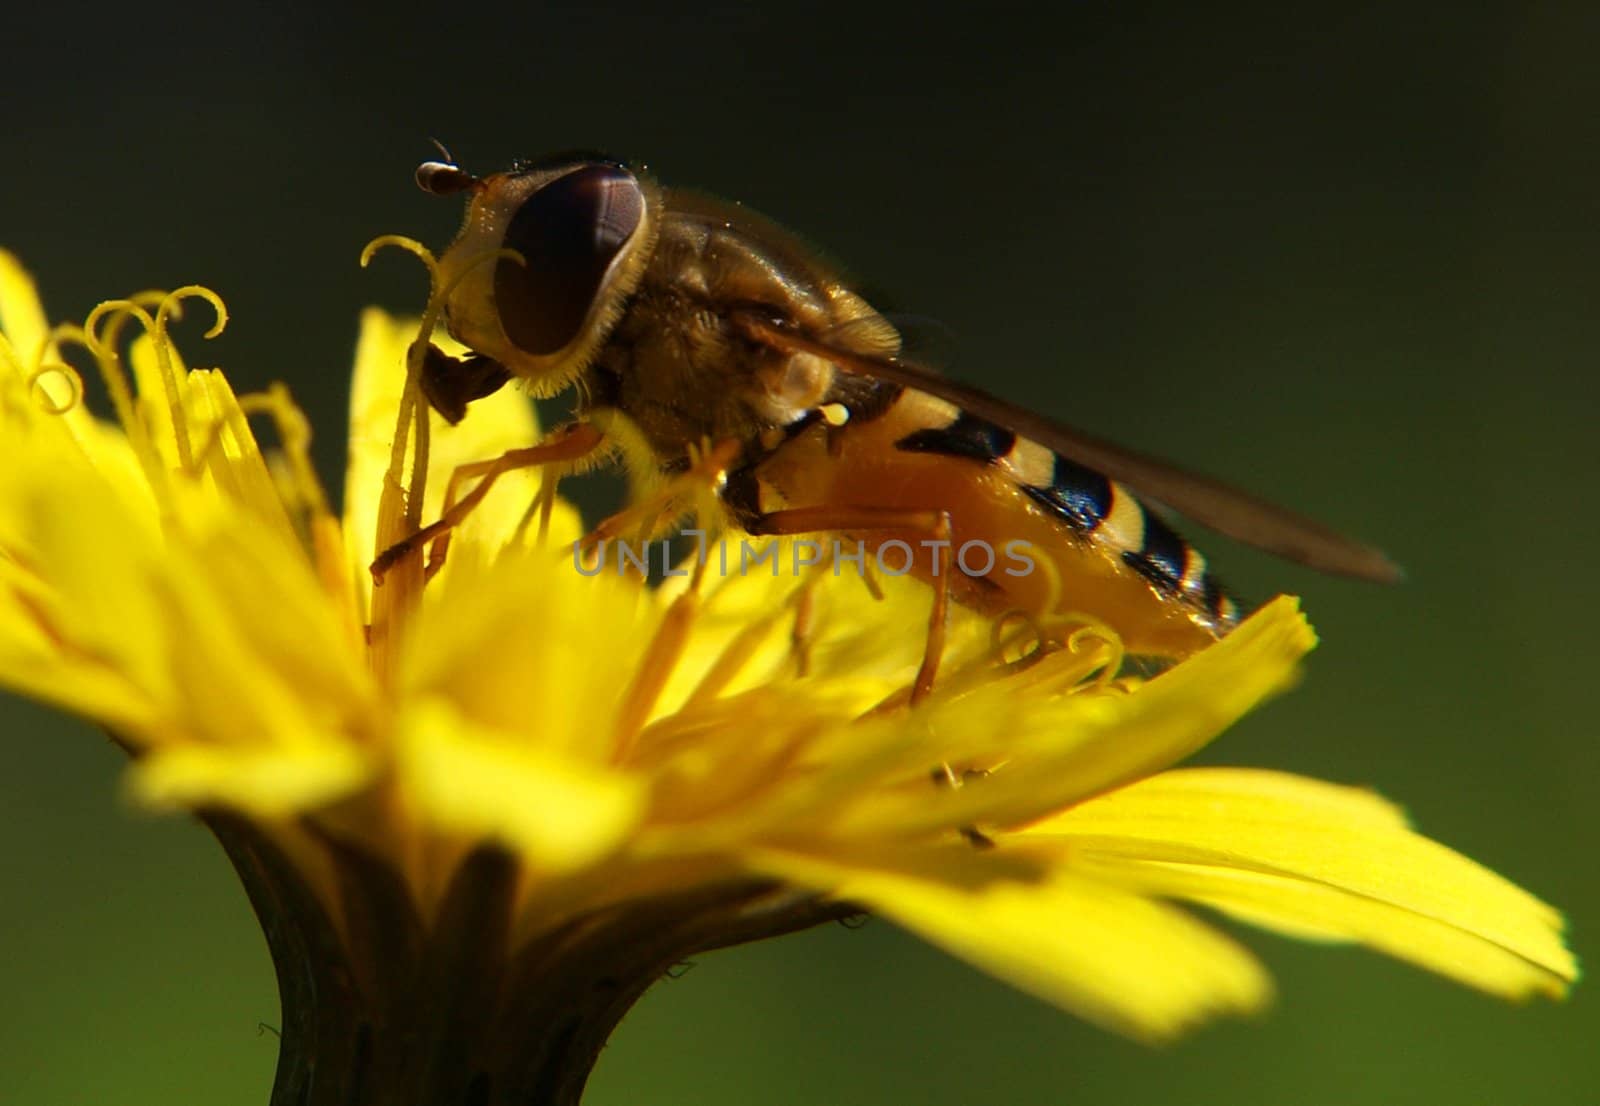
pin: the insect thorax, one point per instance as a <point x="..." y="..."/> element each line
<point x="676" y="367"/>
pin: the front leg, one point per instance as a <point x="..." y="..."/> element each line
<point x="569" y="443"/>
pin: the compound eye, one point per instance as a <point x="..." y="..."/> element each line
<point x="569" y="232"/>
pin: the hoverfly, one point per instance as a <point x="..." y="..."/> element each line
<point x="684" y="320"/>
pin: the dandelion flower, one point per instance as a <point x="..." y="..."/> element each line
<point x="479" y="813"/>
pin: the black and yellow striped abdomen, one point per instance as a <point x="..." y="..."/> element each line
<point x="1114" y="558"/>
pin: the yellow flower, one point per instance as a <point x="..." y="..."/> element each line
<point x="478" y="814"/>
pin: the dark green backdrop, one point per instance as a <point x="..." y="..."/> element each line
<point x="1348" y="259"/>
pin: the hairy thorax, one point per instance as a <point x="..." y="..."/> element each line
<point x="681" y="372"/>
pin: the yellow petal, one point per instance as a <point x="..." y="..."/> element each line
<point x="1315" y="859"/>
<point x="31" y="665"/>
<point x="224" y="444"/>
<point x="208" y="625"/>
<point x="858" y="646"/>
<point x="22" y="319"/>
<point x="374" y="406"/>
<point x="523" y="644"/>
<point x="1116" y="958"/>
<point x="557" y="813"/>
<point x="23" y="349"/>
<point x="733" y="769"/>
<point x="90" y="546"/>
<point x="1056" y="750"/>
<point x="151" y="399"/>
<point x="258" y="654"/>
<point x="263" y="782"/>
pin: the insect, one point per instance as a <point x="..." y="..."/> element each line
<point x="684" y="320"/>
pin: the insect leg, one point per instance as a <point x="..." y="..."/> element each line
<point x="566" y="444"/>
<point x="800" y="631"/>
<point x="649" y="681"/>
<point x="935" y="524"/>
<point x="440" y="548"/>
<point x="646" y="514"/>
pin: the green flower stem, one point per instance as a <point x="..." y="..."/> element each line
<point x="400" y="1015"/>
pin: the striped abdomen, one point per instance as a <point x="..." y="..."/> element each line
<point x="1092" y="506"/>
<point x="1114" y="558"/>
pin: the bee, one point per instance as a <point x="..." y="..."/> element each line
<point x="683" y="320"/>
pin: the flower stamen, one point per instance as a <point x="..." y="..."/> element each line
<point x="68" y="375"/>
<point x="399" y="512"/>
<point x="1014" y="627"/>
<point x="400" y="502"/>
<point x="413" y="410"/>
<point x="172" y="307"/>
<point x="655" y="669"/>
<point x="731" y="660"/>
<point x="103" y="348"/>
<point x="294" y="431"/>
<point x="391" y="513"/>
<point x="1097" y="634"/>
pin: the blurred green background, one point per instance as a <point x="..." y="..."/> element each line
<point x="1347" y="258"/>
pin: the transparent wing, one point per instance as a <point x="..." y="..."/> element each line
<point x="1213" y="504"/>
